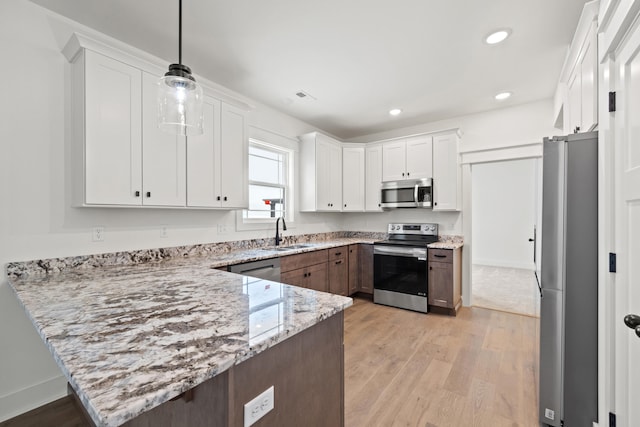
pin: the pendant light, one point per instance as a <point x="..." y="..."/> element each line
<point x="180" y="96"/>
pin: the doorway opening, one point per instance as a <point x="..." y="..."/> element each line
<point x="506" y="217"/>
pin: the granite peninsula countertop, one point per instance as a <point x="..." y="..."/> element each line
<point x="132" y="330"/>
<point x="131" y="338"/>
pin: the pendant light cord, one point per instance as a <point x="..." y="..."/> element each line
<point x="180" y="33"/>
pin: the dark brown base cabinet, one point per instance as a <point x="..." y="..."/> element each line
<point x="308" y="270"/>
<point x="339" y="270"/>
<point x="365" y="267"/>
<point x="354" y="269"/>
<point x="445" y="280"/>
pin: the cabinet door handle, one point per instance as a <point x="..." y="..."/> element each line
<point x="402" y="173"/>
<point x="338" y="262"/>
<point x="308" y="274"/>
<point x="430" y="268"/>
<point x="408" y="173"/>
<point x="304" y="275"/>
<point x="345" y="205"/>
<point x="435" y="204"/>
<point x="218" y="198"/>
<point x="148" y="193"/>
<point x="328" y="204"/>
<point x="225" y="198"/>
<point x="137" y="193"/>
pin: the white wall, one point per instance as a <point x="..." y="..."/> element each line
<point x="504" y="212"/>
<point x="36" y="217"/>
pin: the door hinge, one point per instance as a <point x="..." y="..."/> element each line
<point x="612" y="102"/>
<point x="612" y="419"/>
<point x="612" y="262"/>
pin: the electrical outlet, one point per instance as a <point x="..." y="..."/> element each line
<point x="163" y="231"/>
<point x="98" y="234"/>
<point x="258" y="407"/>
<point x="222" y="228"/>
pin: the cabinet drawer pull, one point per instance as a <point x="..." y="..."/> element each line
<point x="338" y="262"/>
<point x="440" y="301"/>
<point x="338" y="253"/>
<point x="439" y="256"/>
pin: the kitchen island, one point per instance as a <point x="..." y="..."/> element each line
<point x="130" y="338"/>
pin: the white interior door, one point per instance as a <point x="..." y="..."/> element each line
<point x="627" y="224"/>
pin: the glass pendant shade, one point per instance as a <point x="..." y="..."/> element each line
<point x="180" y="102"/>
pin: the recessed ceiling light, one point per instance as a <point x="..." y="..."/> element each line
<point x="498" y="36"/>
<point x="395" y="111"/>
<point x="503" y="95"/>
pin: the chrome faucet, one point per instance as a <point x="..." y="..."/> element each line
<point x="284" y="227"/>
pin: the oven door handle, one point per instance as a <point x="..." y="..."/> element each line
<point x="419" y="253"/>
<point x="415" y="194"/>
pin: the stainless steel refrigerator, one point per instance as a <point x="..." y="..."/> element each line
<point x="569" y="282"/>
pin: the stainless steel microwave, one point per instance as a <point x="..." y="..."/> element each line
<point x="406" y="194"/>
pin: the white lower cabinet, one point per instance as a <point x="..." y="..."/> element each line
<point x="447" y="188"/>
<point x="320" y="173"/>
<point x="373" y="177"/>
<point x="353" y="179"/>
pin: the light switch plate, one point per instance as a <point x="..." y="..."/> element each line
<point x="258" y="407"/>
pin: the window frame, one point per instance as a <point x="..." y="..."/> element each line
<point x="245" y="223"/>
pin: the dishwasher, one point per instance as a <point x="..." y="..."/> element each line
<point x="268" y="269"/>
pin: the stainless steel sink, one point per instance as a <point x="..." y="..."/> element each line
<point x="286" y="248"/>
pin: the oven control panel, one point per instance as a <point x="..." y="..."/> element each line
<point x="421" y="229"/>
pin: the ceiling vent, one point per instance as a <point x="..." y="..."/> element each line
<point x="305" y="96"/>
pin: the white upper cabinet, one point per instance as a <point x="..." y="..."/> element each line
<point x="234" y="147"/>
<point x="409" y="158"/>
<point x="108" y="130"/>
<point x="203" y="158"/>
<point x="163" y="154"/>
<point x="420" y="157"/>
<point x="577" y="94"/>
<point x="320" y="173"/>
<point x="373" y="177"/>
<point x="447" y="194"/>
<point x="217" y="159"/>
<point x="353" y="179"/>
<point x="121" y="158"/>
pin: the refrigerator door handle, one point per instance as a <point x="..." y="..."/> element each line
<point x="633" y="322"/>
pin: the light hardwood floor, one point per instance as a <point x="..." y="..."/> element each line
<point x="410" y="369"/>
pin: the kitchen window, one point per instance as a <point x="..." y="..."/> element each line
<point x="269" y="183"/>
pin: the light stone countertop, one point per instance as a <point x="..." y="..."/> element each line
<point x="131" y="331"/>
<point x="131" y="338"/>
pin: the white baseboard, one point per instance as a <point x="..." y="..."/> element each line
<point x="527" y="265"/>
<point x="29" y="398"/>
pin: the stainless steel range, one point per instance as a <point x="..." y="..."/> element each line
<point x="400" y="266"/>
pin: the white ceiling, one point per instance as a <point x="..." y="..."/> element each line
<point x="358" y="58"/>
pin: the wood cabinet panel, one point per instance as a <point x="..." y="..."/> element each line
<point x="445" y="279"/>
<point x="339" y="270"/>
<point x="354" y="269"/>
<point x="366" y="268"/>
<point x="313" y="277"/>
<point x="317" y="278"/>
<point x="294" y="262"/>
